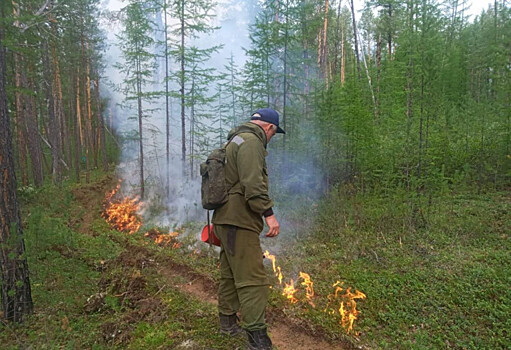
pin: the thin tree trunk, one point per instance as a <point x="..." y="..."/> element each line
<point x="16" y="293"/>
<point x="323" y="48"/>
<point x="88" y="96"/>
<point x="183" y="119"/>
<point x="19" y="121"/>
<point x="355" y="35"/>
<point x="167" y="105"/>
<point x="192" y="123"/>
<point x="343" y="58"/>
<point x="85" y="124"/>
<point x="378" y="74"/>
<point x="53" y="124"/>
<point x="140" y="128"/>
<point x="101" y="123"/>
<point x="78" y="128"/>
<point x="34" y="146"/>
<point x="57" y="98"/>
<point x="389" y="35"/>
<point x="284" y="104"/>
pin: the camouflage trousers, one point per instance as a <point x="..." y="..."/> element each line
<point x="244" y="285"/>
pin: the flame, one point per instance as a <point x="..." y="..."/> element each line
<point x="279" y="275"/>
<point x="271" y="257"/>
<point x="309" y="287"/>
<point x="289" y="291"/>
<point x="276" y="269"/>
<point x="348" y="306"/>
<point x="122" y="214"/>
<point x="163" y="239"/>
<point x="341" y="303"/>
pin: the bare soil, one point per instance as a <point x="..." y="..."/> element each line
<point x="286" y="334"/>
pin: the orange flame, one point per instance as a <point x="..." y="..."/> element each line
<point x="289" y="292"/>
<point x="122" y="214"/>
<point x="279" y="274"/>
<point x="309" y="289"/>
<point x="348" y="306"/>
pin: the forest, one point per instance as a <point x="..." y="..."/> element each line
<point x="392" y="183"/>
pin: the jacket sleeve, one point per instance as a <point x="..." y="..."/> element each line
<point x="253" y="181"/>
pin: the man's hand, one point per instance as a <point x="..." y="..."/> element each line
<point x="274" y="226"/>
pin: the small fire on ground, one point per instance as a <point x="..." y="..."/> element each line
<point x="121" y="213"/>
<point x="341" y="303"/>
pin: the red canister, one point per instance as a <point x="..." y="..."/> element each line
<point x="206" y="235"/>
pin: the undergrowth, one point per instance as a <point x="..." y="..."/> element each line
<point x="435" y="272"/>
<point x="96" y="288"/>
<point x="435" y="276"/>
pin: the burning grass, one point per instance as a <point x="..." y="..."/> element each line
<point x="121" y="213"/>
<point x="341" y="303"/>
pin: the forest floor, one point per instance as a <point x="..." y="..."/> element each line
<point x="94" y="287"/>
<point x="435" y="280"/>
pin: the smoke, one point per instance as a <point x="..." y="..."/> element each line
<point x="296" y="189"/>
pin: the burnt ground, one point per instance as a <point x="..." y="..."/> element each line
<point x="130" y="286"/>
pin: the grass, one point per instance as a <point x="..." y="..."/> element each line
<point x="438" y="282"/>
<point x="436" y="273"/>
<point x="88" y="293"/>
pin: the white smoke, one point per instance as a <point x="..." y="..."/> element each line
<point x="298" y="186"/>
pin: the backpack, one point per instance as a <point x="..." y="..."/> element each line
<point x="214" y="191"/>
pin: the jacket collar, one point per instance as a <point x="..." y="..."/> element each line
<point x="251" y="128"/>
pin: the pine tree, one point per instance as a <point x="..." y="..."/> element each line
<point x="16" y="293"/>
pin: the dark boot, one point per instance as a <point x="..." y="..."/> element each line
<point x="229" y="325"/>
<point x="259" y="340"/>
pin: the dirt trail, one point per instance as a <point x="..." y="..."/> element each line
<point x="285" y="334"/>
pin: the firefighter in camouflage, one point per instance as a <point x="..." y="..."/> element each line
<point x="244" y="285"/>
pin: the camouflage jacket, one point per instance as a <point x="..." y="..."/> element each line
<point x="247" y="177"/>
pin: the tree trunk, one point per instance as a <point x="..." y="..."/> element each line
<point x="34" y="145"/>
<point x="78" y="128"/>
<point x="19" y="121"/>
<point x="140" y="129"/>
<point x="101" y="123"/>
<point x="322" y="54"/>
<point x="90" y="130"/>
<point x="167" y="105"/>
<point x="58" y="104"/>
<point x="182" y="85"/>
<point x="355" y="35"/>
<point x="16" y="293"/>
<point x="378" y="75"/>
<point x="53" y="125"/>
<point x="284" y="104"/>
<point x="343" y="58"/>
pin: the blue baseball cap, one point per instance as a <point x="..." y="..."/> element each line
<point x="268" y="115"/>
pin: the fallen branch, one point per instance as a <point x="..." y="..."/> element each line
<point x="48" y="144"/>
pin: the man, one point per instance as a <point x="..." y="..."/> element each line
<point x="238" y="223"/>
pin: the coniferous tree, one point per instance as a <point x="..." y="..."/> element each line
<point x="193" y="20"/>
<point x="135" y="43"/>
<point x="15" y="288"/>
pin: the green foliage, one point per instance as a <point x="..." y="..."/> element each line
<point x="436" y="104"/>
<point x="443" y="283"/>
